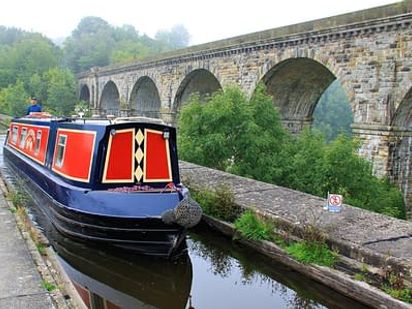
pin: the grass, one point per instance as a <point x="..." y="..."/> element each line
<point x="41" y="248"/>
<point x="403" y="294"/>
<point x="219" y="203"/>
<point x="251" y="227"/>
<point x="48" y="286"/>
<point x="18" y="198"/>
<point x="360" y="277"/>
<point x="316" y="253"/>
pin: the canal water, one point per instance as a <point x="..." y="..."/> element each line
<point x="213" y="272"/>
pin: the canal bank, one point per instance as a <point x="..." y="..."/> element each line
<point x="364" y="239"/>
<point x="31" y="276"/>
<point x="21" y="285"/>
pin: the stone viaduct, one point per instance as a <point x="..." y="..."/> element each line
<point x="369" y="52"/>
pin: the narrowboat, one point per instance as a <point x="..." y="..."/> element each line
<point x="108" y="181"/>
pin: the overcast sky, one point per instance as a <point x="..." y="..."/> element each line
<point x="206" y="21"/>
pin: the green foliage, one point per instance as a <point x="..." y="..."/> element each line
<point x="31" y="65"/>
<point x="303" y="169"/>
<point x="231" y="133"/>
<point x="50" y="287"/>
<point x="96" y="43"/>
<point x="360" y="277"/>
<point x="41" y="249"/>
<point x="333" y="113"/>
<point x="177" y="37"/>
<point x="245" y="137"/>
<point x="316" y="253"/>
<point x="18" y="198"/>
<point x="82" y="107"/>
<point x="31" y="54"/>
<point x="61" y="90"/>
<point x="251" y="227"/>
<point x="14" y="100"/>
<point x="404" y="294"/>
<point x="219" y="203"/>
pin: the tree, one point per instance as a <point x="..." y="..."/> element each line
<point x="333" y="113"/>
<point x="27" y="54"/>
<point x="61" y="91"/>
<point x="231" y="133"/>
<point x="177" y="37"/>
<point x="14" y="100"/>
<point x="89" y="45"/>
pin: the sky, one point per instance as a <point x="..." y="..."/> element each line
<point x="206" y="21"/>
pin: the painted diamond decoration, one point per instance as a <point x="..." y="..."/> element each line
<point x="139" y="155"/>
<point x="138" y="173"/>
<point x="139" y="137"/>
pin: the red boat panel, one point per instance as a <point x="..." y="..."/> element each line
<point x="110" y="305"/>
<point x="84" y="294"/>
<point x="119" y="166"/>
<point x="157" y="167"/>
<point x="31" y="140"/>
<point x="73" y="154"/>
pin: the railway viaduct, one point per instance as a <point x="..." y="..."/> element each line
<point x="369" y="52"/>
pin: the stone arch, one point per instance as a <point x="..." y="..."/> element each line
<point x="199" y="81"/>
<point x="85" y="94"/>
<point x="296" y="84"/>
<point x="110" y="102"/>
<point x="400" y="149"/>
<point x="145" y="98"/>
<point x="402" y="118"/>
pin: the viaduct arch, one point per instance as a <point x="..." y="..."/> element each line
<point x="369" y="52"/>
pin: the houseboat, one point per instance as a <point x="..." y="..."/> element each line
<point x="109" y="181"/>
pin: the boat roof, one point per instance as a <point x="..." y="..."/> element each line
<point x="92" y="121"/>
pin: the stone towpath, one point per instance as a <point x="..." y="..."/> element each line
<point x="20" y="282"/>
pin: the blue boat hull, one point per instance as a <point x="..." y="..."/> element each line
<point x="123" y="220"/>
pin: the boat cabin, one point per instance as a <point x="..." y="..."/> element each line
<point x="99" y="154"/>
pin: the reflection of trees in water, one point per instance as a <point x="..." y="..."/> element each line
<point x="301" y="302"/>
<point x="220" y="263"/>
<point x="223" y="260"/>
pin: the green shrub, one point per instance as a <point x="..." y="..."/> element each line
<point x="251" y="227"/>
<point x="219" y="203"/>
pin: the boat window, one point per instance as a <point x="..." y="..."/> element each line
<point x="14" y="134"/>
<point x="61" y="145"/>
<point x="23" y="135"/>
<point x="38" y="141"/>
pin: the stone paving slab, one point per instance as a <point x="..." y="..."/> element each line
<point x="20" y="282"/>
<point x="25" y="302"/>
<point x="378" y="233"/>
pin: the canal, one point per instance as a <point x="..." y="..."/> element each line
<point x="212" y="272"/>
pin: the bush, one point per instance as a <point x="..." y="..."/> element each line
<point x="219" y="203"/>
<point x="251" y="227"/>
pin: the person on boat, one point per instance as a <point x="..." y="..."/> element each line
<point x="34" y="106"/>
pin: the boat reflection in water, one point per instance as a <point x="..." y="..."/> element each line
<point x="105" y="280"/>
